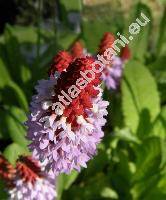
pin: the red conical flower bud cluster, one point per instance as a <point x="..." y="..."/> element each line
<point x="60" y="62"/>
<point x="83" y="101"/>
<point x="106" y="42"/>
<point x="77" y="50"/>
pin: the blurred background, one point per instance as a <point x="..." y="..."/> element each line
<point x="131" y="160"/>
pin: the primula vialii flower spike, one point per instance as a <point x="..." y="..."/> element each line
<point x="31" y="182"/>
<point x="77" y="50"/>
<point x="60" y="62"/>
<point x="112" y="72"/>
<point x="67" y="139"/>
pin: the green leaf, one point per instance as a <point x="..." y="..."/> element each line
<point x="140" y="42"/>
<point x="145" y="187"/>
<point x="25" y="74"/>
<point x="126" y="135"/>
<point x="139" y="93"/>
<point x="5" y="77"/>
<point x="13" y="151"/>
<point x="65" y="181"/>
<point x="158" y="70"/>
<point x="91" y="189"/>
<point x="159" y="126"/>
<point x="148" y="167"/>
<point x="121" y="170"/>
<point x="13" y="57"/>
<point x="148" y="158"/>
<point x="13" y="95"/>
<point x="109" y="193"/>
<point x="161" y="44"/>
<point x="145" y="125"/>
<point x="13" y="121"/>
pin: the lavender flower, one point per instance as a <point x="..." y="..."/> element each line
<point x="30" y="182"/>
<point x="112" y="74"/>
<point x="67" y="140"/>
<point x="27" y="180"/>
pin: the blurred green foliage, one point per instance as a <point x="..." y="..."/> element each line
<point x="131" y="160"/>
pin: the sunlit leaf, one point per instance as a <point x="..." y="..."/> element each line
<point x="139" y="93"/>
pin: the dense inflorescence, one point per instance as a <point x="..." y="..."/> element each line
<point x="112" y="72"/>
<point x="67" y="139"/>
<point x="27" y="180"/>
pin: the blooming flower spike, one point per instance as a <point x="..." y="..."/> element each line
<point x="67" y="116"/>
<point x="31" y="182"/>
<point x="112" y="72"/>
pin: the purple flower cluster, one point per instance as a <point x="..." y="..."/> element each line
<point x="112" y="74"/>
<point x="27" y="180"/>
<point x="67" y="140"/>
<point x="43" y="188"/>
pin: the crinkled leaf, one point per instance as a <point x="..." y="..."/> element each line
<point x="150" y="161"/>
<point x="139" y="93"/>
<point x="149" y="156"/>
